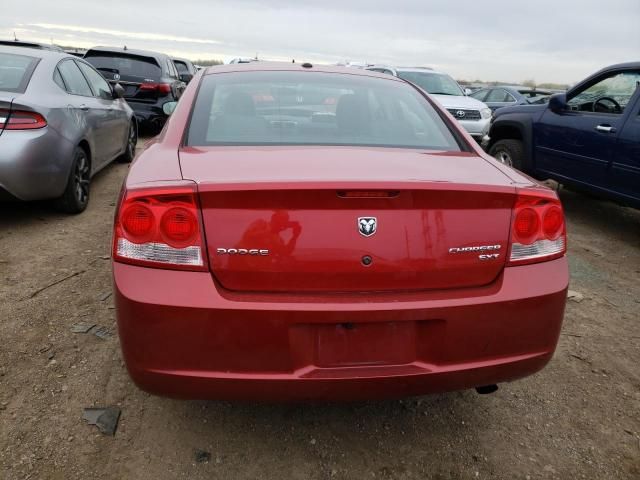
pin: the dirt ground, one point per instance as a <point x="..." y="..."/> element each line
<point x="578" y="418"/>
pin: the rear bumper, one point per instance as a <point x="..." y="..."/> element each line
<point x="34" y="164"/>
<point x="149" y="115"/>
<point x="182" y="336"/>
<point x="478" y="129"/>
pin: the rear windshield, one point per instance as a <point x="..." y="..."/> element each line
<point x="129" y="67"/>
<point x="314" y="108"/>
<point x="434" y="83"/>
<point x="15" y="72"/>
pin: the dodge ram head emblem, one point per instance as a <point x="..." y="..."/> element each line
<point x="367" y="226"/>
<point x="460" y="114"/>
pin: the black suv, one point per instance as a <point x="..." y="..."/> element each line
<point x="150" y="80"/>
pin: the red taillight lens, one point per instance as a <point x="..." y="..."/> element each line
<point x="164" y="88"/>
<point x="538" y="232"/>
<point x="526" y="225"/>
<point x="179" y="226"/>
<point x="137" y="221"/>
<point x="21" y="120"/>
<point x="552" y="222"/>
<point x="160" y="227"/>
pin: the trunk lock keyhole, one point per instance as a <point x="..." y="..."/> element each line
<point x="367" y="260"/>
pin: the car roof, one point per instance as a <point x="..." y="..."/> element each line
<point x="621" y="66"/>
<point x="129" y="51"/>
<point x="521" y="88"/>
<point x="416" y="69"/>
<point x="34" y="52"/>
<point x="515" y="88"/>
<point x="33" y="45"/>
<point x="409" y="69"/>
<point x="293" y="67"/>
<point x="420" y="70"/>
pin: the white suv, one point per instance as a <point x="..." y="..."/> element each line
<point x="472" y="114"/>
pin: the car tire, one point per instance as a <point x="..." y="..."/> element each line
<point x="76" y="194"/>
<point x="132" y="140"/>
<point x="509" y="152"/>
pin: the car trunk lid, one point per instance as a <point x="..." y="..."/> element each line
<point x="350" y="219"/>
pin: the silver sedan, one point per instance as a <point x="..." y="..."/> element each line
<point x="60" y="123"/>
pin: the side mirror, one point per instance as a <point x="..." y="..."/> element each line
<point x="558" y="102"/>
<point x="169" y="107"/>
<point x="118" y="91"/>
<point x="468" y="91"/>
<point x="186" y="77"/>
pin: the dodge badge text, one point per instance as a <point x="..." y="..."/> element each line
<point x="242" y="251"/>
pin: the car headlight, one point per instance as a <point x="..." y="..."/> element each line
<point x="485" y="113"/>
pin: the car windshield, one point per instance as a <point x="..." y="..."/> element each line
<point x="314" y="108"/>
<point x="129" y="67"/>
<point x="15" y="72"/>
<point x="434" y="83"/>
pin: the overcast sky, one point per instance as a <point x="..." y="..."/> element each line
<point x="544" y="40"/>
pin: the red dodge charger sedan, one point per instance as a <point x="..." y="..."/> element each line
<point x="302" y="232"/>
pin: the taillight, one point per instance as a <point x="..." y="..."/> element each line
<point x="538" y="231"/>
<point x="160" y="227"/>
<point x="179" y="226"/>
<point x="156" y="87"/>
<point x="21" y="120"/>
<point x="164" y="88"/>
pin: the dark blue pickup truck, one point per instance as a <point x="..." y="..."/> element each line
<point x="587" y="138"/>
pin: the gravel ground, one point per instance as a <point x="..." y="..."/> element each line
<point x="578" y="418"/>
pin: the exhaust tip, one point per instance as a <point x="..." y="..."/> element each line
<point x="486" y="389"/>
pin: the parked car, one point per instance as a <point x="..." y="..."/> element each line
<point x="76" y="52"/>
<point x="354" y="64"/>
<point x="587" y="138"/>
<point x="149" y="79"/>
<point x="39" y="46"/>
<point x="186" y="69"/>
<point x="504" y="96"/>
<point x="304" y="232"/>
<point x="470" y="88"/>
<point x="243" y="60"/>
<point x="472" y="114"/>
<point x="60" y="123"/>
